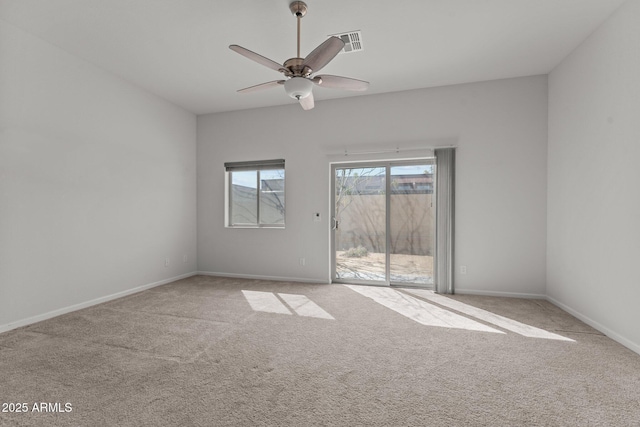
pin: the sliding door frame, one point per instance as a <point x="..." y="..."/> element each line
<point x="387" y="164"/>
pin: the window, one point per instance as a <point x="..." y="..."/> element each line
<point x="255" y="194"/>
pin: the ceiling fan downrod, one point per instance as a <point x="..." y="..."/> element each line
<point x="299" y="9"/>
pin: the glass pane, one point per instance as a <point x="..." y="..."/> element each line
<point x="244" y="197"/>
<point x="412" y="225"/>
<point x="360" y="240"/>
<point x="272" y="197"/>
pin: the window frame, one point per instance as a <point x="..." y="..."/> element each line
<point x="257" y="167"/>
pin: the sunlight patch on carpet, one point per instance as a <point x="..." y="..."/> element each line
<point x="270" y="302"/>
<point x="304" y="306"/>
<point x="487" y="316"/>
<point x="420" y="311"/>
<point x="266" y="302"/>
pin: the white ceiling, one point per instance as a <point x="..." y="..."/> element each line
<point x="178" y="49"/>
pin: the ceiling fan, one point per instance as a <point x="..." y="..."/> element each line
<point x="298" y="83"/>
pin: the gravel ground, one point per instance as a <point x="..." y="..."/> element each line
<point x="404" y="268"/>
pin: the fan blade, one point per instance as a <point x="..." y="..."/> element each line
<point x="261" y="86"/>
<point x="323" y="54"/>
<point x="257" y="58"/>
<point x="337" y="82"/>
<point x="307" y="103"/>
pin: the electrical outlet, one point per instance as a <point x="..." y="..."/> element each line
<point x="302" y="261"/>
<point x="166" y="262"/>
<point x="184" y="258"/>
<point x="463" y="269"/>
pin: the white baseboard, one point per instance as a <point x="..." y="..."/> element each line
<point x="596" y="325"/>
<point x="498" y="294"/>
<point x="75" y="307"/>
<point x="261" y="277"/>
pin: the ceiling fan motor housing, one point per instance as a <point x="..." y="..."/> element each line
<point x="294" y="67"/>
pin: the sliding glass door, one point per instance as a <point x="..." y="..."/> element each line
<point x="383" y="223"/>
<point x="359" y="224"/>
<point x="412" y="224"/>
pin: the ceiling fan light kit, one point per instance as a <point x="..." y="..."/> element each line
<point x="297" y="71"/>
<point x="298" y="87"/>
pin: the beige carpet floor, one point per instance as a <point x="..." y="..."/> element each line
<point x="200" y="352"/>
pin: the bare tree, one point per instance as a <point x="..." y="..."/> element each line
<point x="352" y="184"/>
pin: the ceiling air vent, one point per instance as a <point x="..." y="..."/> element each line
<point x="352" y="41"/>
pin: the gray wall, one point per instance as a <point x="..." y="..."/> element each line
<point x="500" y="128"/>
<point x="97" y="183"/>
<point x="594" y="179"/>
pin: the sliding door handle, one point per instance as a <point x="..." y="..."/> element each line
<point x="334" y="225"/>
